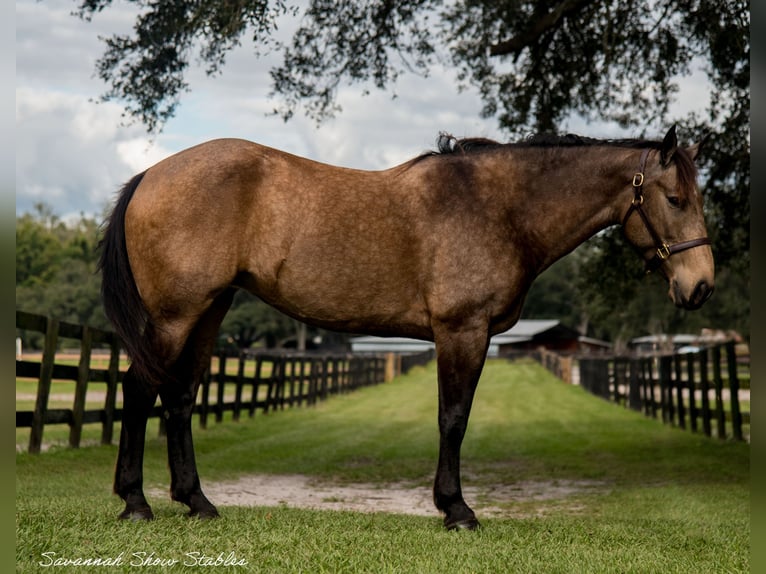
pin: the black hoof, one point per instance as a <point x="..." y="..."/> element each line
<point x="204" y="513"/>
<point x="137" y="514"/>
<point x="467" y="524"/>
<point x="199" y="506"/>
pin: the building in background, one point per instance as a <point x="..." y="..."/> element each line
<point x="526" y="335"/>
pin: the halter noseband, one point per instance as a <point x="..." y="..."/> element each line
<point x="663" y="250"/>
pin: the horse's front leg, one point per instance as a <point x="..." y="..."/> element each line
<point x="460" y="358"/>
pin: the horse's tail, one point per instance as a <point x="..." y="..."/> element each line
<point x="122" y="302"/>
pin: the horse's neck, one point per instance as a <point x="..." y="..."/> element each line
<point x="570" y="195"/>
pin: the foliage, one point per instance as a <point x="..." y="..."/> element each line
<point x="554" y="295"/>
<point x="251" y="322"/>
<point x="56" y="267"/>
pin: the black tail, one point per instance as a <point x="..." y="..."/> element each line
<point x="119" y="293"/>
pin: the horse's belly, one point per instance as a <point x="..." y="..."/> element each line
<point x="349" y="295"/>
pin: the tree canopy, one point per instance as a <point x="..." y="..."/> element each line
<point x="534" y="63"/>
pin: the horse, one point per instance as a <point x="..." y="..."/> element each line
<point x="443" y="248"/>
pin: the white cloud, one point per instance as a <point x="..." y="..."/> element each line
<point x="140" y="153"/>
<point x="68" y="151"/>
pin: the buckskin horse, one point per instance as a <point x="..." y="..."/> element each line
<point x="443" y="247"/>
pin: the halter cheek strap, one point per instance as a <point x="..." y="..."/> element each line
<point x="662" y="250"/>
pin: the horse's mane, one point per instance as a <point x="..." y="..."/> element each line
<point x="448" y="145"/>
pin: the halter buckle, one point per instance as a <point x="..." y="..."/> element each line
<point x="663" y="252"/>
<point x="638" y="179"/>
<point x="637" y="200"/>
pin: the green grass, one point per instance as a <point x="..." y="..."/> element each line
<point x="667" y="500"/>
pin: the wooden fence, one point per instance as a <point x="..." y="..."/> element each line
<point x="699" y="391"/>
<point x="260" y="381"/>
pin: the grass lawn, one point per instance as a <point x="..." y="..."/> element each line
<point x="667" y="500"/>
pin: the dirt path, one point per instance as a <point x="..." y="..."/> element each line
<point x="298" y="491"/>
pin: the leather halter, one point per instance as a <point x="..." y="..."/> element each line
<point x="662" y="250"/>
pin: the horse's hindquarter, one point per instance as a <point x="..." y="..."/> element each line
<point x="183" y="226"/>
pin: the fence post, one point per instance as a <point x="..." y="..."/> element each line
<point x="240" y="384"/>
<point x="692" y="385"/>
<point x="616" y="377"/>
<point x="289" y="385"/>
<point x="665" y="389"/>
<point x="325" y="380"/>
<point x="585" y="373"/>
<point x="718" y="382"/>
<point x="704" y="385"/>
<point x="736" y="414"/>
<point x="219" y="391"/>
<point x="81" y="387"/>
<point x="647" y="386"/>
<point x="44" y="384"/>
<point x="278" y="381"/>
<point x="603" y="375"/>
<point x="634" y="391"/>
<point x="315" y="371"/>
<point x="257" y="378"/>
<point x="113" y="375"/>
<point x="302" y="392"/>
<point x="336" y="376"/>
<point x="653" y="384"/>
<point x="679" y="385"/>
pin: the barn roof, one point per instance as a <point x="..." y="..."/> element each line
<point x="523" y="331"/>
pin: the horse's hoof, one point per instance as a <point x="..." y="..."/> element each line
<point x="467" y="524"/>
<point x="204" y="513"/>
<point x="137" y="514"/>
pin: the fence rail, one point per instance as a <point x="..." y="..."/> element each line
<point x="263" y="381"/>
<point x="699" y="391"/>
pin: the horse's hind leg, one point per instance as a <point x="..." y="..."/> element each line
<point x="178" y="400"/>
<point x="138" y="400"/>
<point x="460" y="358"/>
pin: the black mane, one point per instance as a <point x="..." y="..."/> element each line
<point x="449" y="145"/>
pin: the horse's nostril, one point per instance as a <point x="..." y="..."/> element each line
<point x="702" y="293"/>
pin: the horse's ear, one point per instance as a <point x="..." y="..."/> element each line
<point x="694" y="150"/>
<point x="669" y="146"/>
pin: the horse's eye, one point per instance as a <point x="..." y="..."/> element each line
<point x="674" y="201"/>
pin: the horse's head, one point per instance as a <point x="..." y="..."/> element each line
<point x="666" y="224"/>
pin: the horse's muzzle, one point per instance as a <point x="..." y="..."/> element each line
<point x="702" y="292"/>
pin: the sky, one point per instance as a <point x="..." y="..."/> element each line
<point x="73" y="152"/>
